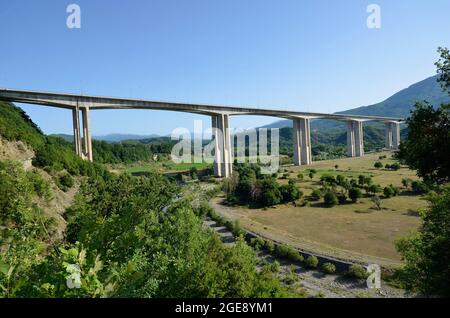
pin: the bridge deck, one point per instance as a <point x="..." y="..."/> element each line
<point x="71" y="101"/>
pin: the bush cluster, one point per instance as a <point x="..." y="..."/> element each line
<point x="248" y="186"/>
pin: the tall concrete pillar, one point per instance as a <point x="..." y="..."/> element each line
<point x="302" y="141"/>
<point x="76" y="131"/>
<point x="395" y="135"/>
<point x="350" y="139"/>
<point x="388" y="142"/>
<point x="87" y="139"/>
<point x="297" y="141"/>
<point x="305" y="131"/>
<point x="355" y="138"/>
<point x="223" y="163"/>
<point x="392" y="135"/>
<point x="217" y="135"/>
<point x="359" y="138"/>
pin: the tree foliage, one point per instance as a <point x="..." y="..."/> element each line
<point x="443" y="68"/>
<point x="427" y="253"/>
<point x="427" y="147"/>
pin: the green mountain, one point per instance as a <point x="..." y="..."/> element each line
<point x="329" y="136"/>
<point x="401" y="103"/>
<point x="398" y="105"/>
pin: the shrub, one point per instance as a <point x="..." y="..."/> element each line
<point x="328" y="179"/>
<point x="357" y="271"/>
<point x="342" y="198"/>
<point x="291" y="277"/>
<point x="312" y="261"/>
<point x="330" y="199"/>
<point x="270" y="246"/>
<point x="66" y="182"/>
<point x="390" y="191"/>
<point x="329" y="268"/>
<point x="378" y="165"/>
<point x="290" y="192"/>
<point x="288" y="252"/>
<point x="281" y="251"/>
<point x="395" y="166"/>
<point x="270" y="192"/>
<point x="406" y="182"/>
<point x="300" y="176"/>
<point x="374" y="188"/>
<point x="274" y="267"/>
<point x="355" y="194"/>
<point x="419" y="187"/>
<point x="294" y="255"/>
<point x="316" y="195"/>
<point x="236" y="229"/>
<point x="257" y="243"/>
<point x="41" y="186"/>
<point x="377" y="202"/>
<point x="361" y="180"/>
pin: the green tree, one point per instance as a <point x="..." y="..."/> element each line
<point x="270" y="192"/>
<point x="378" y="165"/>
<point x="330" y="199"/>
<point x="354" y="194"/>
<point x="316" y="194"/>
<point x="426" y="253"/>
<point x="443" y="68"/>
<point x="374" y="189"/>
<point x="427" y="146"/>
<point x="388" y="192"/>
<point x="290" y="192"/>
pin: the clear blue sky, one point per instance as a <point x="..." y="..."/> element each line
<point x="306" y="55"/>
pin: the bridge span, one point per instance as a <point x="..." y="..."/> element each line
<point x="219" y="117"/>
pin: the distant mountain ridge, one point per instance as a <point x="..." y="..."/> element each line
<point x="398" y="105"/>
<point x="112" y="137"/>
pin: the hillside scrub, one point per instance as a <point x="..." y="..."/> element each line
<point x="129" y="241"/>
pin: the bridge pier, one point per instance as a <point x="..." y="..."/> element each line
<point x="83" y="143"/>
<point x="87" y="139"/>
<point x="76" y="131"/>
<point x="302" y="141"/>
<point x="223" y="163"/>
<point x="355" y="138"/>
<point x="392" y="135"/>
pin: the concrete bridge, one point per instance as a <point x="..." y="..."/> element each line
<point x="220" y="121"/>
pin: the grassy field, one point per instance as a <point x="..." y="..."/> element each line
<point x="166" y="167"/>
<point x="354" y="231"/>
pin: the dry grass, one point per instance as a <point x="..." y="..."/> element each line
<point x="355" y="231"/>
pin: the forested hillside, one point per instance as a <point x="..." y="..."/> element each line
<point x="125" y="237"/>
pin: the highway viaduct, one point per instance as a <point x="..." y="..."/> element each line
<point x="220" y="121"/>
